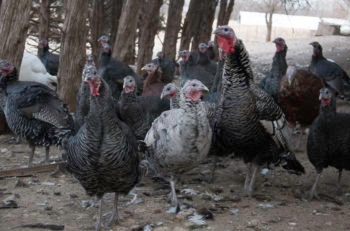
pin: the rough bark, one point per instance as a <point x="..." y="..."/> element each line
<point x="96" y="25"/>
<point x="148" y="29"/>
<point x="73" y="48"/>
<point x="172" y="28"/>
<point x="268" y="19"/>
<point x="198" y="23"/>
<point x="14" y="23"/>
<point x="205" y="29"/>
<point x="44" y="16"/>
<point x="191" y="23"/>
<point x="225" y="12"/>
<point x="124" y="45"/>
<point x="116" y="11"/>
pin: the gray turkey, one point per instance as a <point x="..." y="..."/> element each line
<point x="203" y="58"/>
<point x="139" y="111"/>
<point x="328" y="143"/>
<point x="210" y="50"/>
<point x="51" y="61"/>
<point x="103" y="154"/>
<point x="190" y="69"/>
<point x="180" y="138"/>
<point x="271" y="83"/>
<point x="238" y="127"/>
<point x="167" y="67"/>
<point x="33" y="111"/>
<point x="113" y="71"/>
<point x="333" y="75"/>
<point x="153" y="83"/>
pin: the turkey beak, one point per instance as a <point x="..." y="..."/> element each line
<point x="144" y="68"/>
<point x="218" y="31"/>
<point x="204" y="88"/>
<point x="162" y="95"/>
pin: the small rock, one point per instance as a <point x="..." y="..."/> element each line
<point x="265" y="206"/>
<point x="3" y="150"/>
<point x="57" y="193"/>
<point x="275" y="220"/>
<point x="318" y="213"/>
<point x="48" y="208"/>
<point x="87" y="203"/>
<point x="48" y="183"/>
<point x="42" y="204"/>
<point x="265" y="171"/>
<point x="69" y="204"/>
<point x="21" y="183"/>
<point x="73" y="195"/>
<point x="292" y="223"/>
<point x="253" y="223"/>
<point x="234" y="211"/>
<point x="329" y="223"/>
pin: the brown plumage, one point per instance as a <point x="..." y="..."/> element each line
<point x="152" y="85"/>
<point x="298" y="96"/>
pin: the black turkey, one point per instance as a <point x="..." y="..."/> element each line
<point x="33" y="111"/>
<point x="271" y="83"/>
<point x="237" y="124"/>
<point x="334" y="76"/>
<point x="51" y="61"/>
<point x="103" y="154"/>
<point x="180" y="138"/>
<point x="139" y="111"/>
<point x="113" y="72"/>
<point x="167" y="67"/>
<point x="328" y="143"/>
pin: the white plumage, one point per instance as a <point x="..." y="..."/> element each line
<point x="181" y="138"/>
<point x="32" y="69"/>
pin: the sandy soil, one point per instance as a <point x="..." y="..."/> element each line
<point x="279" y="202"/>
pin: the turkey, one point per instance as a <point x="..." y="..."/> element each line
<point x="216" y="87"/>
<point x="51" y="61"/>
<point x="83" y="104"/>
<point x="334" y="76"/>
<point x="139" y="111"/>
<point x="33" y="111"/>
<point x="102" y="40"/>
<point x="113" y="72"/>
<point x="237" y="125"/>
<point x="298" y="99"/>
<point x="271" y="83"/>
<point x="103" y="154"/>
<point x="172" y="93"/>
<point x="180" y="138"/>
<point x="328" y="143"/>
<point x="190" y="69"/>
<point x="153" y="83"/>
<point x="210" y="50"/>
<point x="204" y="60"/>
<point x="167" y="67"/>
<point x="32" y="69"/>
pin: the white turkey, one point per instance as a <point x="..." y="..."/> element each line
<point x="32" y="69"/>
<point x="180" y="138"/>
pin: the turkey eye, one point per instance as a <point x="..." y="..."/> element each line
<point x="168" y="89"/>
<point x="225" y="29"/>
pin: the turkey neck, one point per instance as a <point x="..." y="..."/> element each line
<point x="279" y="64"/>
<point x="104" y="59"/>
<point x="328" y="110"/>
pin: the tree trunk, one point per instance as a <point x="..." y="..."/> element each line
<point x="173" y="28"/>
<point x="198" y="23"/>
<point x="148" y="29"/>
<point x="268" y="19"/>
<point x="44" y="16"/>
<point x="116" y="11"/>
<point x="205" y="27"/>
<point x="124" y="45"/>
<point x="73" y="49"/>
<point x="96" y="25"/>
<point x="191" y="23"/>
<point x="14" y="23"/>
<point x="225" y="12"/>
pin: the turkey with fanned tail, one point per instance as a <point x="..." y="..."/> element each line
<point x="238" y="127"/>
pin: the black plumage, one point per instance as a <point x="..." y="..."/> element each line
<point x="237" y="127"/>
<point x="33" y="111"/>
<point x="328" y="143"/>
<point x="103" y="154"/>
<point x="139" y="111"/>
<point x="333" y="75"/>
<point x="50" y="60"/>
<point x="113" y="71"/>
<point x="271" y="83"/>
<point x="167" y="67"/>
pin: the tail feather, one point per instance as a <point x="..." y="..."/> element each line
<point x="288" y="161"/>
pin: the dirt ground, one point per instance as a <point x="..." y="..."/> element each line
<point x="279" y="202"/>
